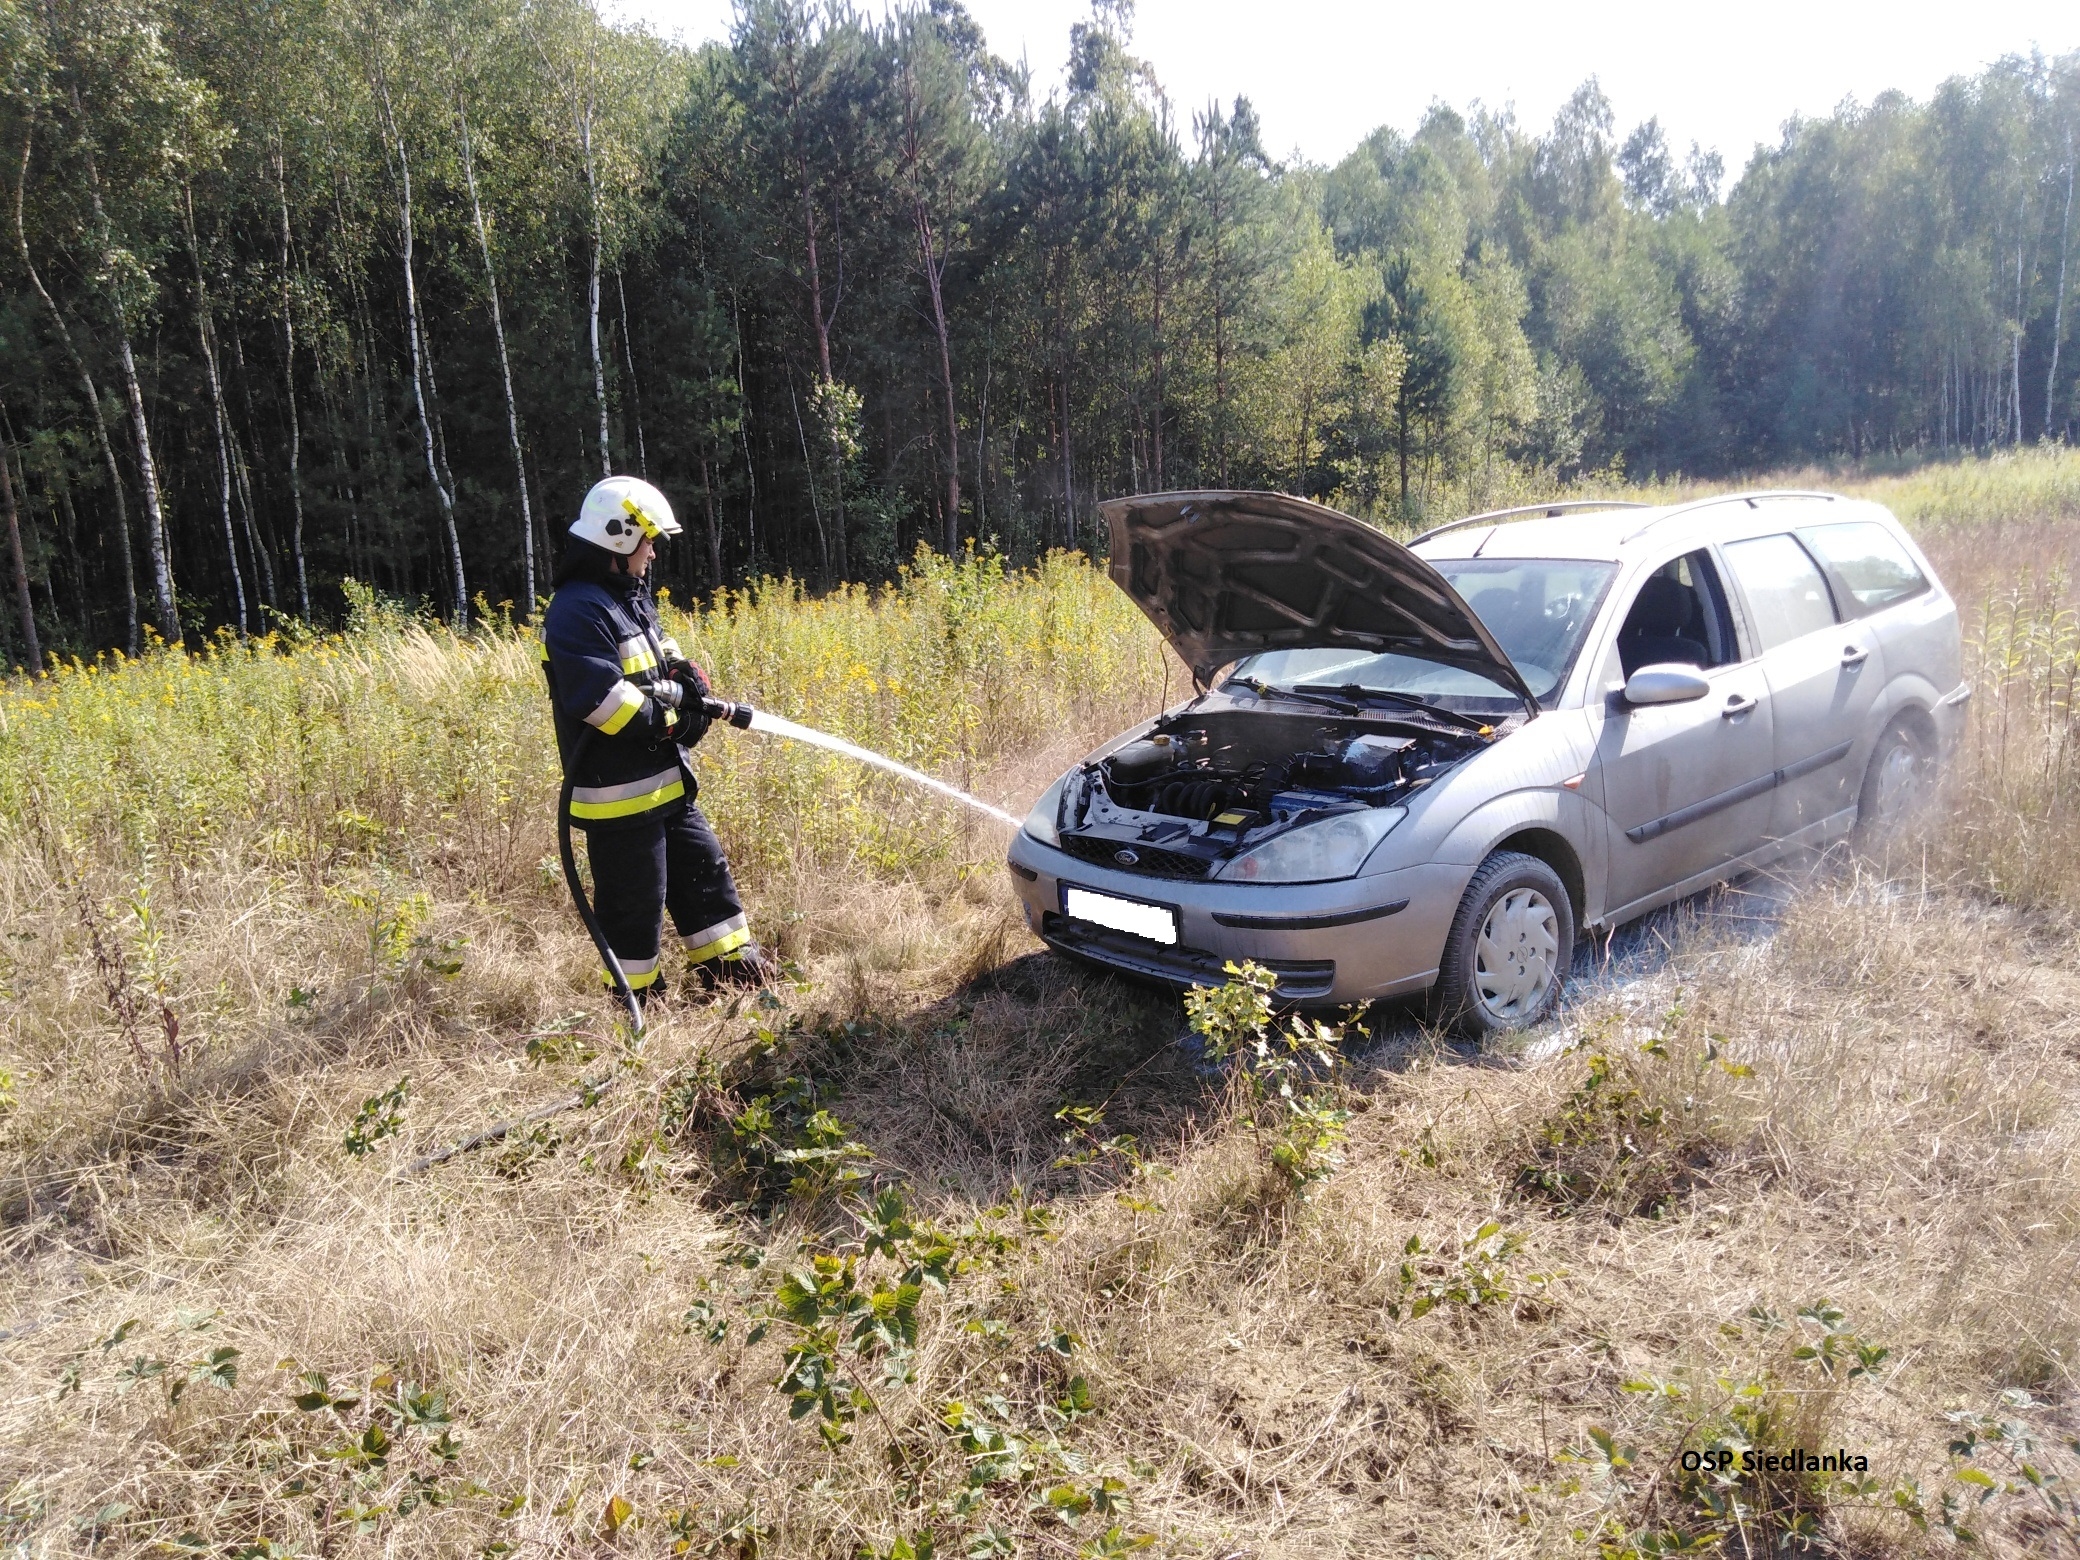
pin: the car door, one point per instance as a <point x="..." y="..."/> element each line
<point x="1878" y="583"/>
<point x="1824" y="676"/>
<point x="1684" y="787"/>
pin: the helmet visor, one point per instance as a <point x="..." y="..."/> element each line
<point x="650" y="525"/>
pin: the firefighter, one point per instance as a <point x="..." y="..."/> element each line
<point x="611" y="668"/>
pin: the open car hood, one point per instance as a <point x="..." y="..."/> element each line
<point x="1226" y="574"/>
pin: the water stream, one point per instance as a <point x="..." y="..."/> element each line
<point x="774" y="726"/>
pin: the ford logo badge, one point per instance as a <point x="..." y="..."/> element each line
<point x="1126" y="858"/>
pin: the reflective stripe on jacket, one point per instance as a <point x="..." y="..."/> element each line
<point x="602" y="653"/>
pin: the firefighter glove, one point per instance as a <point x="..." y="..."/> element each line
<point x="691" y="678"/>
<point x="693" y="721"/>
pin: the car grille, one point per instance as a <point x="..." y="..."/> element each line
<point x="1154" y="861"/>
<point x="1298" y="980"/>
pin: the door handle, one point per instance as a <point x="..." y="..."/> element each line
<point x="1855" y="655"/>
<point x="1736" y="704"/>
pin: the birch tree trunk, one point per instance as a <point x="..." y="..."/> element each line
<point x="819" y="316"/>
<point x="933" y="264"/>
<point x="834" y="551"/>
<point x="216" y="400"/>
<point x="148" y="471"/>
<point x="635" y="393"/>
<point x="259" y="544"/>
<point x="934" y="274"/>
<point x="2015" y="339"/>
<point x="24" y="605"/>
<point x="714" y="537"/>
<point x="2058" y="308"/>
<point x="415" y="332"/>
<point x="303" y="584"/>
<point x="505" y="367"/>
<point x="1156" y="329"/>
<point x="599" y="365"/>
<point x="823" y="547"/>
<point x="131" y="642"/>
<point x="154" y="510"/>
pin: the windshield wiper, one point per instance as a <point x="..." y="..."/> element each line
<point x="1265" y="690"/>
<point x="1360" y="693"/>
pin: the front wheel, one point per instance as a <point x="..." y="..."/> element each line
<point x="1896" y="787"/>
<point x="1507" y="955"/>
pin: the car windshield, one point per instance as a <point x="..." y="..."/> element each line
<point x="1538" y="609"/>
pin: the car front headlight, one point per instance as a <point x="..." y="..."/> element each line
<point x="1316" y="852"/>
<point x="1043" y="823"/>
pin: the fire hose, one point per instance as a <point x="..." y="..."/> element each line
<point x="722" y="711"/>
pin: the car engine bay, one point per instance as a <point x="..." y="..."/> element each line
<point x="1204" y="785"/>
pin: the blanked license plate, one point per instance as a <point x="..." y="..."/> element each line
<point x="1158" y="923"/>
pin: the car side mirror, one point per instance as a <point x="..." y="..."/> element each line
<point x="1669" y="684"/>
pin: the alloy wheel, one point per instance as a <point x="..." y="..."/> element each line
<point x="1513" y="959"/>
<point x="1898" y="782"/>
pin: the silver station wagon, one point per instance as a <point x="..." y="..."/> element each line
<point x="1430" y="767"/>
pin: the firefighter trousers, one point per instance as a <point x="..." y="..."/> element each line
<point x="669" y="860"/>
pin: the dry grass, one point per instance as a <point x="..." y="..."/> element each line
<point x="1872" y="1109"/>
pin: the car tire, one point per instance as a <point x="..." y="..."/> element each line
<point x="1507" y="955"/>
<point x="1897" y="786"/>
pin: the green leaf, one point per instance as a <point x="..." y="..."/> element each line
<point x="422" y="1409"/>
<point x="139" y="1369"/>
<point x="219" y="1370"/>
<point x="1076" y="1402"/>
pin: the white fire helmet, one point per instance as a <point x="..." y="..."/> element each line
<point x="620" y="511"/>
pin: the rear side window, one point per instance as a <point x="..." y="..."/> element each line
<point x="1786" y="592"/>
<point x="1870" y="568"/>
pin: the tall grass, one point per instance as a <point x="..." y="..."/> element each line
<point x="399" y="741"/>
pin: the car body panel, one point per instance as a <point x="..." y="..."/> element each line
<point x="1632" y="805"/>
<point x="1923" y="656"/>
<point x="1684" y="788"/>
<point x="1377" y="956"/>
<point x="1823" y="688"/>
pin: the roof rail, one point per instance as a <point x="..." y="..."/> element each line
<point x="1750" y="499"/>
<point x="1547" y="510"/>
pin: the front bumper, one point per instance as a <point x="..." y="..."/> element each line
<point x="1329" y="943"/>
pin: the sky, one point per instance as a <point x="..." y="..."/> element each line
<point x="1323" y="73"/>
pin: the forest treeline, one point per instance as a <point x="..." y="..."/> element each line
<point x="301" y="293"/>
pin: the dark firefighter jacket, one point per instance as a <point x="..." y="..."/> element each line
<point x="603" y="652"/>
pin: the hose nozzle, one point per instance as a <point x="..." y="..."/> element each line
<point x="728" y="712"/>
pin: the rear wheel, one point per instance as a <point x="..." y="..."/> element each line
<point x="1507" y="955"/>
<point x="1897" y="786"/>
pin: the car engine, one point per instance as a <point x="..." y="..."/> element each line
<point x="1204" y="785"/>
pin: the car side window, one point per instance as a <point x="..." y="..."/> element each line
<point x="1679" y="615"/>
<point x="1871" y="570"/>
<point x="1787" y="595"/>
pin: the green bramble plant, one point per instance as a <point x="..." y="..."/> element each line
<point x="1283" y="1084"/>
